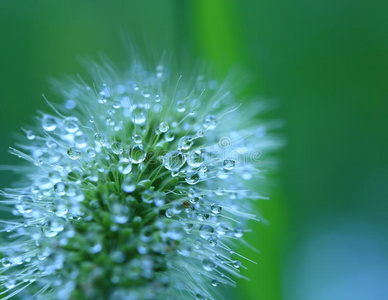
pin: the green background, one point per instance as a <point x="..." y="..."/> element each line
<point x="325" y="62"/>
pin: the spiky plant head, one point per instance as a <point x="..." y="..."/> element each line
<point x="135" y="188"/>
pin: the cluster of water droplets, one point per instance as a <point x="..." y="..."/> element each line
<point x="130" y="192"/>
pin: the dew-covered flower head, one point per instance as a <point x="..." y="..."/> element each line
<point x="136" y="187"/>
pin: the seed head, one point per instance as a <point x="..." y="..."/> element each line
<point x="135" y="188"/>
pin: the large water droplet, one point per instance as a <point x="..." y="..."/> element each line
<point x="206" y="231"/>
<point x="216" y="208"/>
<point x="192" y="178"/>
<point x="163" y="127"/>
<point x="195" y="158"/>
<point x="159" y="199"/>
<point x="236" y="264"/>
<point x="199" y="297"/>
<point x="229" y="164"/>
<point x="100" y="139"/>
<point x="145" y="93"/>
<point x="238" y="231"/>
<point x="174" y="160"/>
<point x="71" y="124"/>
<point x="138" y="154"/>
<point x="169" y="214"/>
<point x="128" y="185"/>
<point x="120" y="213"/>
<point x="208" y="264"/>
<point x="180" y="106"/>
<point x="185" y="143"/>
<point x="74" y="153"/>
<point x="147" y="196"/>
<point x="49" y="123"/>
<point x="137" y="139"/>
<point x="81" y="141"/>
<point x="139" y="115"/>
<point x="91" y="152"/>
<point x="210" y="122"/>
<point x="117" y="148"/>
<point x="124" y="166"/>
<point x="10" y="284"/>
<point x="30" y="135"/>
<point x="6" y="262"/>
<point x="169" y="136"/>
<point x="60" y="188"/>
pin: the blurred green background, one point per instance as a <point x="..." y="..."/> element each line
<point x="326" y="62"/>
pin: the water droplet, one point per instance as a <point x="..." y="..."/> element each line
<point x="145" y="93"/>
<point x="116" y="104"/>
<point x="212" y="242"/>
<point x="60" y="189"/>
<point x="176" y="209"/>
<point x="128" y="185"/>
<point x="194" y="200"/>
<point x="100" y="139"/>
<point x="195" y="158"/>
<point x="169" y="136"/>
<point x="174" y="160"/>
<point x="91" y="152"/>
<point x="73" y="191"/>
<point x="229" y="164"/>
<point x="116" y="148"/>
<point x="10" y="284"/>
<point x="236" y="264"/>
<point x="198" y="244"/>
<point x="70" y="104"/>
<point x="163" y="127"/>
<point x="192" y="178"/>
<point x="238" y="231"/>
<point x="49" y="123"/>
<point x="199" y="297"/>
<point x="157" y="98"/>
<point x="95" y="249"/>
<point x="180" y="106"/>
<point x="185" y="143"/>
<point x="147" y="196"/>
<point x="120" y="213"/>
<point x="208" y="264"/>
<point x="30" y="135"/>
<point x="160" y="69"/>
<point x="138" y="154"/>
<point x="56" y="226"/>
<point x="118" y="257"/>
<point x="169" y="214"/>
<point x="210" y="122"/>
<point x="215" y="282"/>
<point x="110" y="121"/>
<point x="216" y="208"/>
<point x="6" y="262"/>
<point x="219" y="191"/>
<point x="91" y="119"/>
<point x="71" y="124"/>
<point x="48" y="232"/>
<point x="81" y="141"/>
<point x="206" y="231"/>
<point x="137" y="139"/>
<point x="159" y="199"/>
<point x="222" y="228"/>
<point x="201" y="216"/>
<point x="200" y="133"/>
<point x="138" y="115"/>
<point x="61" y="210"/>
<point x="124" y="166"/>
<point x="74" y="153"/>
